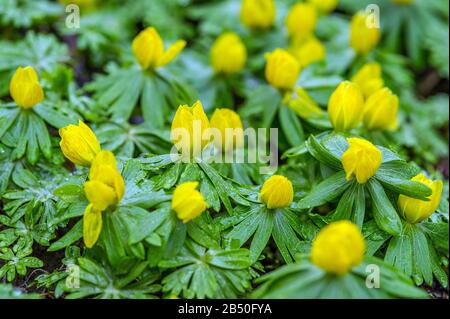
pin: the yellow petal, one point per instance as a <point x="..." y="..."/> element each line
<point x="171" y="53"/>
<point x="100" y="195"/>
<point x="277" y="192"/>
<point x="25" y="88"/>
<point x="188" y="202"/>
<point x="92" y="225"/>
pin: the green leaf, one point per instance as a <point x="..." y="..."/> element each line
<point x="73" y="235"/>
<point x="325" y="191"/>
<point x="384" y="213"/>
<point x="291" y="126"/>
<point x="322" y="154"/>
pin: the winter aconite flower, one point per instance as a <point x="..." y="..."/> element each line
<point x="228" y="54"/>
<point x="258" y="14"/>
<point x="324" y="6"/>
<point x="364" y="34"/>
<point x="303" y="104"/>
<point x="188" y="202"/>
<point x="415" y="210"/>
<point x="301" y="20"/>
<point x="380" y="111"/>
<point x="148" y="49"/>
<point x="79" y="144"/>
<point x="277" y="192"/>
<point x="282" y="69"/>
<point x="362" y="159"/>
<point x="369" y="78"/>
<point x="104" y="190"/>
<point x="188" y="126"/>
<point x="308" y="51"/>
<point x="345" y="106"/>
<point x="25" y="88"/>
<point x="229" y="123"/>
<point x="338" y="247"/>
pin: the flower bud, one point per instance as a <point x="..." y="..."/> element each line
<point x="362" y="159"/>
<point x="188" y="127"/>
<point x="104" y="189"/>
<point x="338" y="247"/>
<point x="380" y="111"/>
<point x="79" y="144"/>
<point x="258" y="14"/>
<point x="324" y="6"/>
<point x="345" y="106"/>
<point x="369" y="79"/>
<point x="187" y="202"/>
<point x="415" y="210"/>
<point x="277" y="192"/>
<point x="230" y="126"/>
<point x="148" y="49"/>
<point x="301" y="20"/>
<point x="308" y="51"/>
<point x="282" y="69"/>
<point x="228" y="54"/>
<point x="364" y="35"/>
<point x="303" y="104"/>
<point x="25" y="88"/>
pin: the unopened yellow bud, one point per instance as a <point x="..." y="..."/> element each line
<point x="364" y="33"/>
<point x="416" y="210"/>
<point x="228" y="54"/>
<point x="301" y="20"/>
<point x="338" y="247"/>
<point x="282" y="69"/>
<point x="188" y="127"/>
<point x="369" y="78"/>
<point x="380" y="111"/>
<point x="362" y="159"/>
<point x="148" y="49"/>
<point x="25" y="88"/>
<point x="345" y="106"/>
<point x="229" y="123"/>
<point x="79" y="144"/>
<point x="187" y="202"/>
<point x="258" y="14"/>
<point x="308" y="51"/>
<point x="277" y="192"/>
<point x="303" y="104"/>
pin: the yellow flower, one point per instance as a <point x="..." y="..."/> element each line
<point x="282" y="69"/>
<point x="303" y="104"/>
<point x="380" y="111"/>
<point x="369" y="78"/>
<point x="362" y="159"/>
<point x="345" y="106"/>
<point x="228" y="54"/>
<point x="277" y="192"/>
<point x="324" y="5"/>
<point x="148" y="49"/>
<point x="104" y="189"/>
<point x="415" y="210"/>
<point x="25" y="88"/>
<point x="338" y="247"/>
<point x="79" y="144"/>
<point x="187" y="202"/>
<point x="308" y="51"/>
<point x="301" y="20"/>
<point x="224" y="119"/>
<point x="363" y="36"/>
<point x="258" y="14"/>
<point x="188" y="127"/>
<point x="402" y="2"/>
